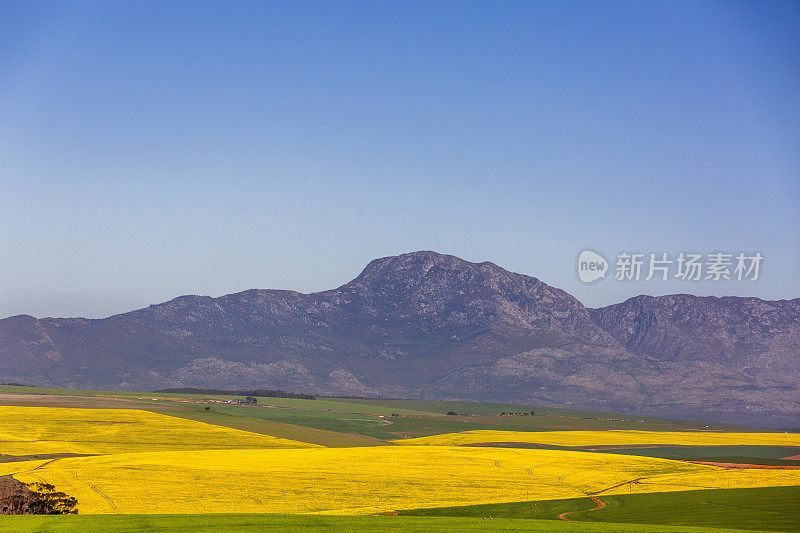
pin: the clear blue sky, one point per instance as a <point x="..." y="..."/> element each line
<point x="149" y="150"/>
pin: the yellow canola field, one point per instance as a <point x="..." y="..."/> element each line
<point x="606" y="438"/>
<point x="35" y="430"/>
<point x="365" y="480"/>
<point x="15" y="467"/>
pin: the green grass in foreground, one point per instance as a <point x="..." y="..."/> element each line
<point x="771" y="509"/>
<point x="259" y="522"/>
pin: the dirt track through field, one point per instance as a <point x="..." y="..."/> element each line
<point x="600" y="505"/>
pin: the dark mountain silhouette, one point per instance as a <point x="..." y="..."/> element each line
<point x="427" y="325"/>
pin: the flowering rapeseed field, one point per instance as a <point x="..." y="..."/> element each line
<point x="32" y="430"/>
<point x="142" y="462"/>
<point x="364" y="480"/>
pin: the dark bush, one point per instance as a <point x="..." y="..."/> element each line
<point x="33" y="498"/>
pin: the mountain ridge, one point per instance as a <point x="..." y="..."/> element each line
<point x="429" y="325"/>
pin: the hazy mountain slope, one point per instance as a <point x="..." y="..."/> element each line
<point x="723" y="354"/>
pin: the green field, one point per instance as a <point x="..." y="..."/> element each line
<point x="771" y="508"/>
<point x="362" y="422"/>
<point x="487" y="408"/>
<point x="347" y="422"/>
<point x="747" y="454"/>
<point x="750" y="460"/>
<point x="759" y="454"/>
<point x="260" y="522"/>
<point x="476" y="412"/>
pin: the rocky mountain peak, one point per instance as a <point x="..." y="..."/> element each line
<point x="420" y="265"/>
<point x="430" y="275"/>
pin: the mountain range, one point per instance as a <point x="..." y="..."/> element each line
<point x="428" y="325"/>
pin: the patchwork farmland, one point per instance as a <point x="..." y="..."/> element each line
<point x="161" y="459"/>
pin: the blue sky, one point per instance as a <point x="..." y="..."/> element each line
<point x="152" y="149"/>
